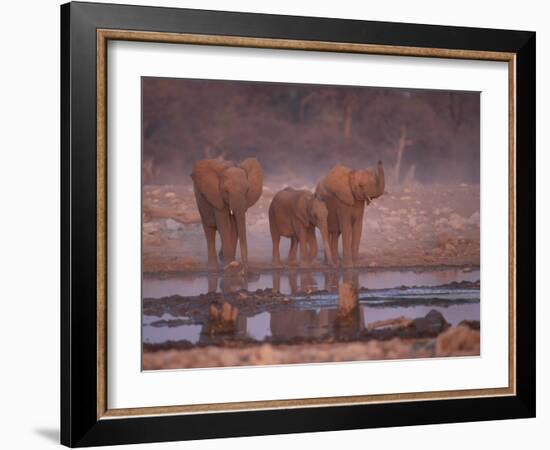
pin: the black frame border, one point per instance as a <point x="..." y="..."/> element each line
<point x="79" y="423"/>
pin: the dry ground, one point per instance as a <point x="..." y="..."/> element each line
<point x="456" y="341"/>
<point x="419" y="225"/>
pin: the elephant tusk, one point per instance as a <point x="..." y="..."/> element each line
<point x="230" y="211"/>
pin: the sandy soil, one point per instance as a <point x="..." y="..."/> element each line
<point x="418" y="225"/>
<point x="456" y="341"/>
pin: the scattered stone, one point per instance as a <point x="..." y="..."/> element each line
<point x="172" y="225"/>
<point x="430" y="325"/>
<point x="474" y="219"/>
<point x="458" y="341"/>
<point x="457" y="222"/>
<point x="472" y="324"/>
<point x="222" y="320"/>
<point x="399" y="322"/>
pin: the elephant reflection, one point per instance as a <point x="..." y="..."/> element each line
<point x="314" y="324"/>
<point x="230" y="282"/>
<point x="299" y="282"/>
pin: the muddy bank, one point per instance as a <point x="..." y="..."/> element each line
<point x="455" y="341"/>
<point x="196" y="308"/>
<point x="229" y="327"/>
<point x="419" y="225"/>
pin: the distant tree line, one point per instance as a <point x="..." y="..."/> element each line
<point x="301" y="130"/>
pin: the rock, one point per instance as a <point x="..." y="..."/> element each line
<point x="229" y="313"/>
<point x="150" y="228"/>
<point x="222" y="320"/>
<point x="457" y="222"/>
<point x="398" y="322"/>
<point x="213" y="313"/>
<point x="372" y="224"/>
<point x="467" y="269"/>
<point x="449" y="248"/>
<point x="172" y="225"/>
<point x="151" y="239"/>
<point x="170" y="195"/>
<point x="458" y="341"/>
<point x="348" y="300"/>
<point x="472" y="324"/>
<point x="474" y="219"/>
<point x="430" y="325"/>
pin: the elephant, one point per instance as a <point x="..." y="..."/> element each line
<point x="345" y="192"/>
<point x="224" y="190"/>
<point x="295" y="214"/>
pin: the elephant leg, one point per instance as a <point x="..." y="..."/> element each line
<point x="224" y="225"/>
<point x="276" y="239"/>
<point x="213" y="279"/>
<point x="345" y="226"/>
<point x="276" y="276"/>
<point x="334" y="247"/>
<point x="293" y="251"/>
<point x="357" y="229"/>
<point x="312" y="242"/>
<point x="304" y="254"/>
<point x="210" y="233"/>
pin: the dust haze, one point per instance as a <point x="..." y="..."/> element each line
<point x="429" y="141"/>
<point x="300" y="131"/>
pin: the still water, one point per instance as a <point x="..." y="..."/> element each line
<point x="385" y="295"/>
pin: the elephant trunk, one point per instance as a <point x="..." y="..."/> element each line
<point x="381" y="181"/>
<point x="240" y="218"/>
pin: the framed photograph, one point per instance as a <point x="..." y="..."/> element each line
<point x="276" y="224"/>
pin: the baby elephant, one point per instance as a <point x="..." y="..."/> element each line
<point x="295" y="214"/>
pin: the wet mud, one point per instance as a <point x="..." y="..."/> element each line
<point x="301" y="316"/>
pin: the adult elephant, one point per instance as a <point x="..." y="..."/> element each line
<point x="224" y="190"/>
<point x="345" y="192"/>
<point x="295" y="214"/>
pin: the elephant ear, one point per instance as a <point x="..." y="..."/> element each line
<point x="302" y="208"/>
<point x="337" y="182"/>
<point x="255" y="175"/>
<point x="206" y="177"/>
